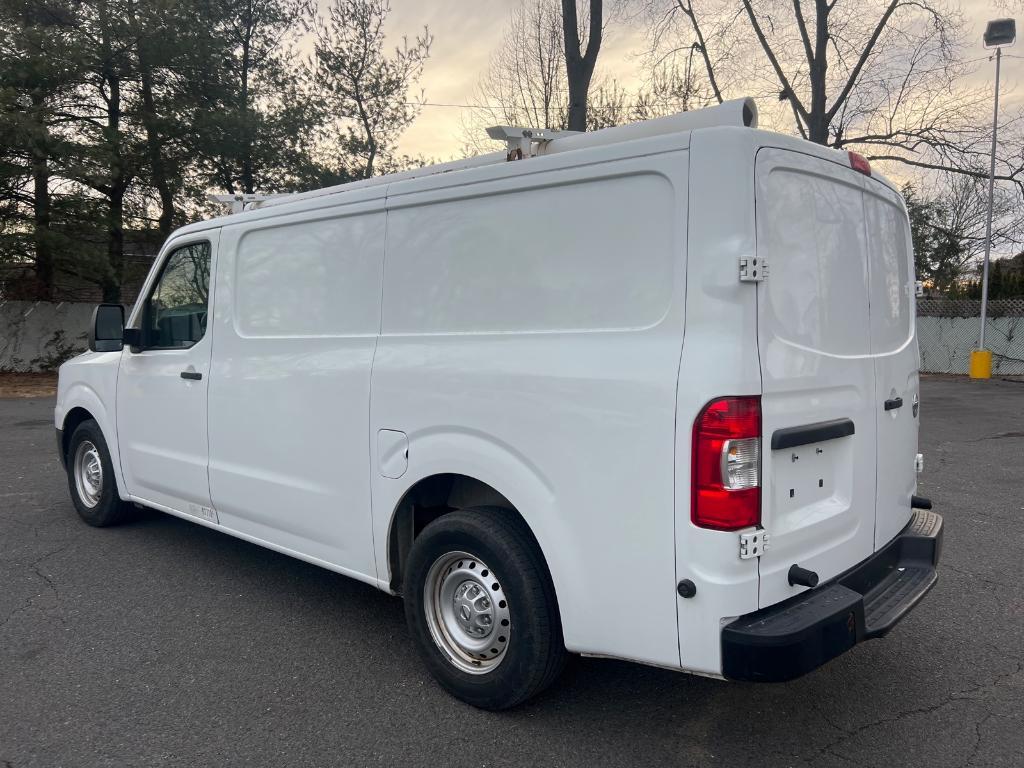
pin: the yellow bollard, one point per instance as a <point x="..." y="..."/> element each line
<point x="981" y="364"/>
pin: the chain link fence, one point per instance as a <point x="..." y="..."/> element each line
<point x="947" y="331"/>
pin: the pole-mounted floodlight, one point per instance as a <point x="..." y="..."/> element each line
<point x="999" y="34"/>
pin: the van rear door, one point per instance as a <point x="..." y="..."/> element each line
<point x="818" y="375"/>
<point x="895" y="353"/>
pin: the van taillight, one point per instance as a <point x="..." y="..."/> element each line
<point x="726" y="477"/>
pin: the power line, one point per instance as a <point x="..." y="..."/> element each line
<point x="669" y="99"/>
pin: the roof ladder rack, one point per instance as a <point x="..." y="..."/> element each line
<point x="239" y="202"/>
<point x="520" y="141"/>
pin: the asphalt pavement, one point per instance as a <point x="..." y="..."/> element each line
<point x="163" y="643"/>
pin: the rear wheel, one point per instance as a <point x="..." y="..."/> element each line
<point x="91" y="478"/>
<point x="481" y="608"/>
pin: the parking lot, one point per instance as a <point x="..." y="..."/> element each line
<point x="165" y="643"/>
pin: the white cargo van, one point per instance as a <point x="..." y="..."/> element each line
<point x="648" y="393"/>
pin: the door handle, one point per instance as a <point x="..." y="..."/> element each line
<point x="893" y="403"/>
<point x="191" y="375"/>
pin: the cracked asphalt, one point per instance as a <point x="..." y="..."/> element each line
<point x="163" y="643"/>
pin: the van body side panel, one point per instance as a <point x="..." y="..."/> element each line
<point x="719" y="358"/>
<point x="89" y="381"/>
<point x="531" y="329"/>
<point x="296" y="327"/>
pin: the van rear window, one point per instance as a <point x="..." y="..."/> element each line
<point x="891" y="282"/>
<point x="810" y="228"/>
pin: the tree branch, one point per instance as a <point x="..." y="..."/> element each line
<point x="864" y="56"/>
<point x="571" y="29"/>
<point x="702" y="46"/>
<point x="1012" y="178"/>
<point x="766" y="46"/>
<point x="803" y="31"/>
<point x="594" y="39"/>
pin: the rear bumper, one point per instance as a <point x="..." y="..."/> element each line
<point x="60" y="448"/>
<point x="789" y="639"/>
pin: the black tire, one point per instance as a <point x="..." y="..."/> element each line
<point x="107" y="508"/>
<point x="535" y="652"/>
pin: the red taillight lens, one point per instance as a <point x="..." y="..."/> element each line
<point x="859" y="163"/>
<point x="726" y="477"/>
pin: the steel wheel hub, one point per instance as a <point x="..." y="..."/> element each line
<point x="467" y="612"/>
<point x="88" y="472"/>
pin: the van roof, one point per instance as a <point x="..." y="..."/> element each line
<point x="737" y="113"/>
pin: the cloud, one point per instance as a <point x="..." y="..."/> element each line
<point x="467" y="32"/>
<point x="465" y="36"/>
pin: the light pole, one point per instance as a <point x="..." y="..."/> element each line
<point x="999" y="34"/>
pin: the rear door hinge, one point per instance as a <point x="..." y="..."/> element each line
<point x="753" y="269"/>
<point x="753" y="543"/>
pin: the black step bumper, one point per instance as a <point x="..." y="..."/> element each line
<point x="789" y="639"/>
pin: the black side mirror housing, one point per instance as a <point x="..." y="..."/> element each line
<point x="107" y="329"/>
<point x="132" y="337"/>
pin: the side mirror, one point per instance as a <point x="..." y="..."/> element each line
<point x="107" y="328"/>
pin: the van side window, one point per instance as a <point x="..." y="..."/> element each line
<point x="174" y="315"/>
<point x="310" y="279"/>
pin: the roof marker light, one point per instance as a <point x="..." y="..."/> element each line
<point x="859" y="163"/>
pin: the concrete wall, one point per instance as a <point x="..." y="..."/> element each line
<point x="38" y="336"/>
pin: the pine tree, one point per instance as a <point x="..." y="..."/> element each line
<point x="365" y="89"/>
<point x="39" y="70"/>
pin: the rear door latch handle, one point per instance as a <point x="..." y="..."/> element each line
<point x="191" y="375"/>
<point x="893" y="403"/>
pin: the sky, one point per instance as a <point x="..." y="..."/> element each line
<point x="466" y="32"/>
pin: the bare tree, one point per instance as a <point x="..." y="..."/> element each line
<point x="886" y="77"/>
<point x="525" y="83"/>
<point x="673" y="85"/>
<point x="579" y="62"/>
<point x="948" y="214"/>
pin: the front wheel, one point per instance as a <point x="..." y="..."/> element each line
<point x="91" y="478"/>
<point x="481" y="608"/>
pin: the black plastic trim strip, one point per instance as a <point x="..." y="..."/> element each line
<point x="791" y="437"/>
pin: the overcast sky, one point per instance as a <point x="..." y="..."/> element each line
<point x="467" y="31"/>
